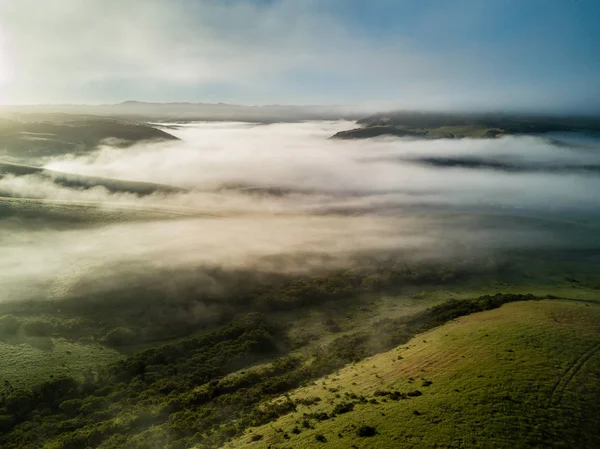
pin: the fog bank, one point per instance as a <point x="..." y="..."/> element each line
<point x="284" y="198"/>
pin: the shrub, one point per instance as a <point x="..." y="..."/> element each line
<point x="256" y="437"/>
<point x="308" y="401"/>
<point x="319" y="416"/>
<point x="343" y="407"/>
<point x="321" y="438"/>
<point x="119" y="336"/>
<point x="334" y="328"/>
<point x="70" y="407"/>
<point x="9" y="325"/>
<point x="394" y="395"/>
<point x="38" y="327"/>
<point x="366" y="431"/>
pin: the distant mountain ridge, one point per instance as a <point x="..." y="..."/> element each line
<point x="183" y="111"/>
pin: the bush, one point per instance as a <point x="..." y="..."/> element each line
<point x="256" y="437"/>
<point x="343" y="407"/>
<point x="366" y="431"/>
<point x="394" y="395"/>
<point x="71" y="407"/>
<point x="119" y="336"/>
<point x="319" y="416"/>
<point x="308" y="401"/>
<point x="9" y="326"/>
<point x="38" y="327"/>
<point x="321" y="438"/>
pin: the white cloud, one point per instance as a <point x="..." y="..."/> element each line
<point x="301" y="158"/>
<point x="63" y="52"/>
<point x="283" y="51"/>
<point x="337" y="200"/>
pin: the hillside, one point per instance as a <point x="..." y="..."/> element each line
<point x="205" y="389"/>
<point x="36" y="135"/>
<point x="525" y="374"/>
<point x="455" y="125"/>
<point x="83" y="182"/>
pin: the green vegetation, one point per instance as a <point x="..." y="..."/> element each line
<point x="29" y="361"/>
<point x="379" y="130"/>
<point x="181" y="393"/>
<point x="522" y="375"/>
<point x="440" y="125"/>
<point x="36" y="135"/>
<point x="189" y="381"/>
<point x="445" y="132"/>
<point x="144" y="314"/>
<point x="314" y="307"/>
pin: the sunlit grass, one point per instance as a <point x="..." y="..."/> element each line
<point x="524" y="372"/>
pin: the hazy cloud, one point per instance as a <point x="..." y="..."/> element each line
<point x="276" y="51"/>
<point x="299" y="157"/>
<point x="284" y="198"/>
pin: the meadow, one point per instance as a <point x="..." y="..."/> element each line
<point x="517" y="376"/>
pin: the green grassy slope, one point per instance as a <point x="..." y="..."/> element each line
<point x="524" y="375"/>
<point x="36" y="359"/>
<point x="455" y="125"/>
<point x="41" y="135"/>
<point x="473" y="131"/>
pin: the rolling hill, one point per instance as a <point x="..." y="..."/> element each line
<point x="425" y="125"/>
<point x="523" y="375"/>
<point x="26" y="136"/>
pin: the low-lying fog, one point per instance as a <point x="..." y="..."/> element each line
<point x="300" y="158"/>
<point x="284" y="197"/>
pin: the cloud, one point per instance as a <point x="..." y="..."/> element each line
<point x="282" y="198"/>
<point x="300" y="158"/>
<point x="274" y="51"/>
<point x="182" y="44"/>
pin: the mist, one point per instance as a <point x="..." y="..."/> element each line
<point x="300" y="158"/>
<point x="284" y="198"/>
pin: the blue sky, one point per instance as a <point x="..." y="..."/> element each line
<point x="430" y="54"/>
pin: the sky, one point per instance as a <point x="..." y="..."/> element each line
<point x="430" y="54"/>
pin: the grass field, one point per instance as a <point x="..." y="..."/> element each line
<point x="28" y="364"/>
<point x="524" y="375"/>
<point x="462" y="131"/>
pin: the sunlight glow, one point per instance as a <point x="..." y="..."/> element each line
<point x="6" y="70"/>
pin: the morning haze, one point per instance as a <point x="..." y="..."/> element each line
<point x="295" y="224"/>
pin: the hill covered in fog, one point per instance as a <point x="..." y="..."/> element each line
<point x="433" y="125"/>
<point x="26" y="135"/>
